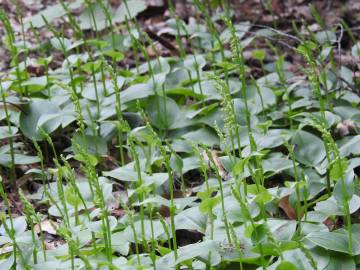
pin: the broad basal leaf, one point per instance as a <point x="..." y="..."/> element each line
<point x="309" y="149"/>
<point x="31" y="115"/>
<point x="336" y="241"/>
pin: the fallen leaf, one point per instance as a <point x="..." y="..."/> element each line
<point x="284" y="204"/>
<point x="217" y="162"/>
<point x="330" y="223"/>
<point x="54" y="245"/>
<point x="48" y="226"/>
<point x="118" y="213"/>
<point x="276" y="6"/>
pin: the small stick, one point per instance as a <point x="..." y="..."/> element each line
<point x="163" y="41"/>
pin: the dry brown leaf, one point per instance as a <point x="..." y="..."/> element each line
<point x="276" y="6"/>
<point x="217" y="162"/>
<point x="151" y="51"/>
<point x="284" y="204"/>
<point x="330" y="223"/>
<point x="35" y="69"/>
<point x="118" y="213"/>
<point x="54" y="244"/>
<point x="48" y="226"/>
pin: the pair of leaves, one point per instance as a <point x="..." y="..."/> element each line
<point x="45" y="114"/>
<point x="336" y="241"/>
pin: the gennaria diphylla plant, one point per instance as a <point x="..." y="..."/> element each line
<point x="218" y="45"/>
<point x="238" y="58"/>
<point x="306" y="50"/>
<point x="142" y="192"/>
<point x="11" y="140"/>
<point x="8" y="224"/>
<point x="113" y="74"/>
<point x="204" y="167"/>
<point x="230" y="123"/>
<point x="76" y="196"/>
<point x="139" y="186"/>
<point x="181" y="30"/>
<point x="230" y="116"/>
<point x="254" y="160"/>
<point x="219" y="177"/>
<point x="344" y="185"/>
<point x="88" y="168"/>
<point x="297" y="185"/>
<point x="140" y="44"/>
<point x="237" y="53"/>
<point x="10" y="42"/>
<point x="172" y="207"/>
<point x="32" y="216"/>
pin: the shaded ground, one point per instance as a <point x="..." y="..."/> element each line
<point x="282" y="15"/>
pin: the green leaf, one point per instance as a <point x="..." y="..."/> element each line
<point x="285" y="265"/>
<point x="91" y="67"/>
<point x="209" y="203"/>
<point x="19" y="226"/>
<point x="259" y="234"/>
<point x="31" y="115"/>
<point x="35" y="84"/>
<point x="136" y="91"/>
<point x="332" y="206"/>
<point x="325" y="36"/>
<point x="272" y="138"/>
<point x="339" y="261"/>
<point x="158" y="230"/>
<point x="71" y="196"/>
<point x="19" y="159"/>
<point x="119" y="243"/>
<point x="124" y="173"/>
<point x="98" y="225"/>
<point x="258" y="54"/>
<point x="276" y="164"/>
<point x="191" y="219"/>
<point x="176" y="163"/>
<point x="344" y="190"/>
<point x="118" y="15"/>
<point x="6" y="133"/>
<point x="61" y="43"/>
<point x="204" y="251"/>
<point x="50" y="13"/>
<point x="92" y="159"/>
<point x="338" y="168"/>
<point x="163" y="112"/>
<point x="115" y="55"/>
<point x="355" y="50"/>
<point x="282" y="230"/>
<point x="94" y="145"/>
<point x="239" y="166"/>
<point x="263" y="197"/>
<point x="350" y="145"/>
<point x="336" y="241"/>
<point x="309" y="149"/>
<point x="298" y="258"/>
<point x="202" y="135"/>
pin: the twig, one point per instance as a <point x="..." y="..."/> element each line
<point x="163" y="41"/>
